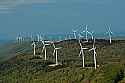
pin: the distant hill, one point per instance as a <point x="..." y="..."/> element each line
<point x="10" y="48"/>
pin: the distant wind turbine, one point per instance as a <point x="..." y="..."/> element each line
<point x="109" y="32"/>
<point x="75" y="31"/>
<point x="38" y="37"/>
<point x="32" y="38"/>
<point x="19" y="39"/>
<point x="41" y="38"/>
<point x="87" y="32"/>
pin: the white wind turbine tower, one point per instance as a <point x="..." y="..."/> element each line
<point x="74" y="33"/>
<point x="82" y="51"/>
<point x="19" y="39"/>
<point x="109" y="32"/>
<point x="34" y="48"/>
<point x="94" y="52"/>
<point x="69" y="36"/>
<point x="56" y="53"/>
<point x="44" y="48"/>
<point x="65" y="37"/>
<point x="31" y="37"/>
<point x="87" y="32"/>
<point x="38" y="37"/>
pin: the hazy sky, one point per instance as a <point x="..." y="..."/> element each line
<point x="60" y="16"/>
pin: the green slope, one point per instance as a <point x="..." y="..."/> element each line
<point x="24" y="68"/>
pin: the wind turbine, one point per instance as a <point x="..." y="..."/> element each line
<point x="74" y="33"/>
<point x="56" y="52"/>
<point x="44" y="48"/>
<point x="78" y="29"/>
<point x="80" y="36"/>
<point x="41" y="38"/>
<point x="109" y="32"/>
<point x="32" y="38"/>
<point x="82" y="51"/>
<point x="66" y="38"/>
<point x="87" y="32"/>
<point x="38" y="37"/>
<point x="94" y="52"/>
<point x="69" y="36"/>
<point x="34" y="48"/>
<point x="19" y="38"/>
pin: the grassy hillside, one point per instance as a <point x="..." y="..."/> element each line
<point x="9" y="50"/>
<point x="23" y="67"/>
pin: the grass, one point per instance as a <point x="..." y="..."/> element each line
<point x="23" y="67"/>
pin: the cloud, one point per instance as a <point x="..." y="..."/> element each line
<point x="7" y="5"/>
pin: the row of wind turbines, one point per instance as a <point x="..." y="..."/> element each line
<point x="78" y="34"/>
<point x="44" y="49"/>
<point x="82" y="29"/>
<point x="108" y="32"/>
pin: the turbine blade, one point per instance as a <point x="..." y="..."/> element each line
<point x="83" y="31"/>
<point x="111" y="32"/>
<point x="90" y="34"/>
<point x="106" y="33"/>
<point x="80" y="53"/>
<point x="60" y="48"/>
<point x="91" y="49"/>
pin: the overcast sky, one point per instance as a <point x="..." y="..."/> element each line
<point x="60" y="16"/>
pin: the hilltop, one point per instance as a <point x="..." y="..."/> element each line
<point x="20" y="66"/>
